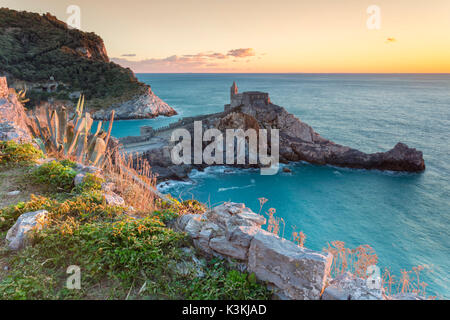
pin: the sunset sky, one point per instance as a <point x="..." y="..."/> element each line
<point x="264" y="36"/>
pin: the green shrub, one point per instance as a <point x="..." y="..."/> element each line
<point x="13" y="153"/>
<point x="182" y="207"/>
<point x="90" y="183"/>
<point x="82" y="208"/>
<point x="221" y="283"/>
<point x="55" y="174"/>
<point x="68" y="163"/>
<point x="130" y="253"/>
<point x="113" y="248"/>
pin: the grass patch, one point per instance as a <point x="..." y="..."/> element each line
<point x="16" y="178"/>
<point x="90" y="183"/>
<point x="182" y="207"/>
<point x="58" y="175"/>
<point x="12" y="153"/>
<point x="119" y="257"/>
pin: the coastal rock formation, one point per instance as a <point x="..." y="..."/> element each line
<point x="18" y="236"/>
<point x="147" y="105"/>
<point x="349" y="287"/>
<point x="13" y="119"/>
<point x="233" y="231"/>
<point x="298" y="141"/>
<point x="56" y="63"/>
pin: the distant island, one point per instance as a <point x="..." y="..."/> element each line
<point x="56" y="63"/>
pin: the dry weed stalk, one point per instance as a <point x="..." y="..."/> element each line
<point x="133" y="180"/>
<point x="299" y="238"/>
<point x="355" y="261"/>
<point x="273" y="224"/>
<point x="262" y="201"/>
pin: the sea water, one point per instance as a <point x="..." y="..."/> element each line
<point x="404" y="217"/>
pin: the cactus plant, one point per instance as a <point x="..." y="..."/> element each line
<point x="71" y="137"/>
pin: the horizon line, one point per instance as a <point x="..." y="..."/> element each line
<point x="387" y="73"/>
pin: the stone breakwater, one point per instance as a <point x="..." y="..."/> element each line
<point x="233" y="231"/>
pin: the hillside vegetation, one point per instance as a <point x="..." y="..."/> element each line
<point x="34" y="48"/>
<point x="121" y="256"/>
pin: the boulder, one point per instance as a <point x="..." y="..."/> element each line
<point x="108" y="186"/>
<point x="18" y="236"/>
<point x="11" y="131"/>
<point x="219" y="215"/>
<point x="202" y="242"/>
<point x="14" y="122"/>
<point x="299" y="273"/>
<point x="251" y="217"/>
<point x="184" y="219"/>
<point x="194" y="226"/>
<point x="227" y="248"/>
<point x="349" y="287"/>
<point x="243" y="235"/>
<point x="78" y="179"/>
<point x="145" y="105"/>
<point x="87" y="169"/>
<point x="113" y="199"/>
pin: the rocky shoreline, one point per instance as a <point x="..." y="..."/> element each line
<point x="144" y="106"/>
<point x="62" y="63"/>
<point x="298" y="141"/>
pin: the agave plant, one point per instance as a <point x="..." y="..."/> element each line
<point x="71" y="137"/>
<point x="21" y="95"/>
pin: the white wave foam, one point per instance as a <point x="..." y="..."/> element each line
<point x="172" y="184"/>
<point x="234" y="188"/>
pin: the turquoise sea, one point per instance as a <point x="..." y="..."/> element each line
<point x="404" y="217"/>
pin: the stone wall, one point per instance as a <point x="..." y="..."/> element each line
<point x="133" y="139"/>
<point x="147" y="131"/>
<point x="233" y="231"/>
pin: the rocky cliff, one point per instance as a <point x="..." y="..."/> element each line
<point x="55" y="62"/>
<point x="146" y="105"/>
<point x="299" y="142"/>
<point x="13" y="119"/>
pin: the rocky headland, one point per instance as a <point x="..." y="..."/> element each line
<point x="298" y="140"/>
<point x="57" y="64"/>
<point x="144" y="106"/>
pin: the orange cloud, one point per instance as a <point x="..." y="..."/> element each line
<point x="186" y="62"/>
<point x="241" y="53"/>
<point x="391" y="40"/>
